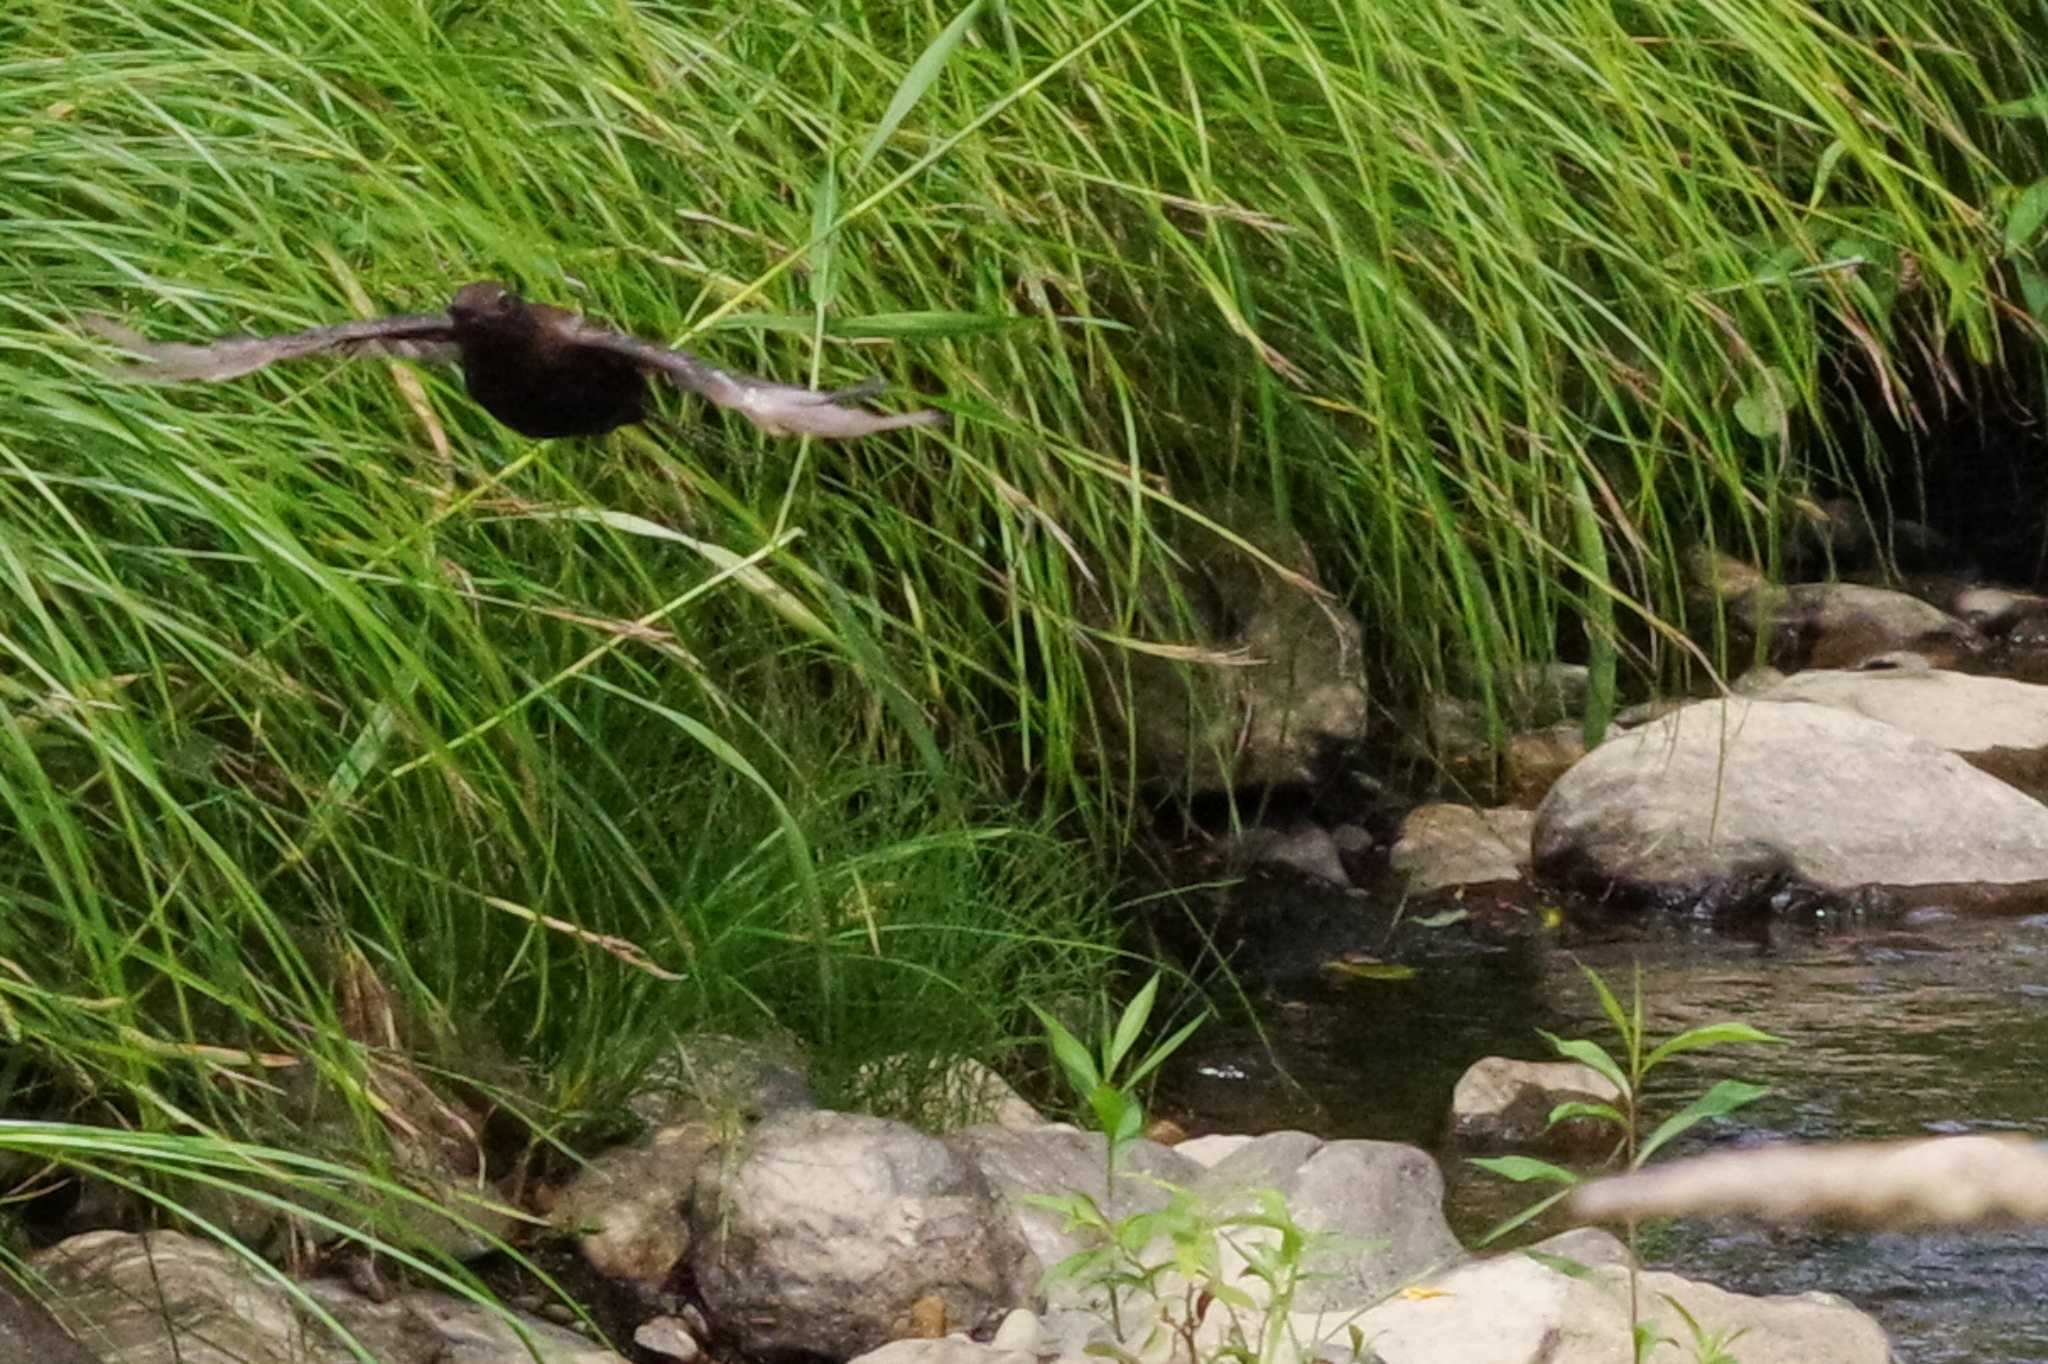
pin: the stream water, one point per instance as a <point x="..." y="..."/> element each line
<point x="1936" y="1026"/>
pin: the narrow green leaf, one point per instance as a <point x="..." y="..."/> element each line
<point x="1609" y="1005"/>
<point x="1565" y="1112"/>
<point x="1588" y="1053"/>
<point x="1723" y="1098"/>
<point x="1528" y="1214"/>
<point x="2029" y="212"/>
<point x="1157" y="1056"/>
<point x="1525" y="1169"/>
<point x="1824" y="171"/>
<point x="1708" y="1035"/>
<point x="916" y="81"/>
<point x="1073" y="1058"/>
<point x="1130" y="1025"/>
<point x="2034" y="291"/>
<point x="1562" y="1264"/>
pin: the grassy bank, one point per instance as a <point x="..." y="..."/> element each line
<point x="579" y="744"/>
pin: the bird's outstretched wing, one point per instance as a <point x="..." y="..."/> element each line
<point x="779" y="409"/>
<point x="427" y="336"/>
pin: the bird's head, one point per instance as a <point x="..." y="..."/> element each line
<point x="485" y="303"/>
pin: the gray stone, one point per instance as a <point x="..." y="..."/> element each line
<point x="1999" y="725"/>
<point x="1736" y="790"/>
<point x="625" y="1207"/>
<point x="1057" y="1160"/>
<point x="1503" y="1104"/>
<point x="1303" y="849"/>
<point x="1456" y="845"/>
<point x="1379" y="1203"/>
<point x="822" y="1235"/>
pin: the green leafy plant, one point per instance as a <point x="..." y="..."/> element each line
<point x="1192" y="1258"/>
<point x="1629" y="1073"/>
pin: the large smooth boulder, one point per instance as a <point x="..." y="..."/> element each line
<point x="1996" y="723"/>
<point x="824" y="1232"/>
<point x="1765" y="794"/>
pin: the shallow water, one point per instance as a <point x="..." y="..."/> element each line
<point x="1936" y="1026"/>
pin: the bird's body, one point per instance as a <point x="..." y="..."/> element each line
<point x="541" y="371"/>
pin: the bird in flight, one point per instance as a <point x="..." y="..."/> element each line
<point x="541" y="371"/>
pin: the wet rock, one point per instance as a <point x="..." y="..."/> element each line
<point x="1456" y="845"/>
<point x="1841" y="625"/>
<point x="714" y="1078"/>
<point x="1381" y="1202"/>
<point x="1281" y="691"/>
<point x="166" y="1298"/>
<point x="1999" y="725"/>
<point x="1302" y="848"/>
<point x="1769" y="795"/>
<point x="1505" y="1105"/>
<point x="820" y="1236"/>
<point x="1827" y="625"/>
<point x="625" y="1207"/>
<point x="1057" y="1160"/>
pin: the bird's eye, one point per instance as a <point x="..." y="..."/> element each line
<point x="505" y="302"/>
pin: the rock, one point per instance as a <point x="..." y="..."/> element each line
<point x="709" y="1077"/>
<point x="432" y="1328"/>
<point x="1456" y="845"/>
<point x="1545" y="693"/>
<point x="1841" y="625"/>
<point x="1057" y="1160"/>
<point x="30" y="1331"/>
<point x="625" y="1207"/>
<point x="1303" y="849"/>
<point x="167" y="1298"/>
<point x="1762" y="795"/>
<point x="668" y="1337"/>
<point x="1019" y="1330"/>
<point x="1505" y="1105"/>
<point x="1207" y="1151"/>
<point x="820" y="1236"/>
<point x="1381" y="1202"/>
<point x="1279" y="690"/>
<point x="1535" y="759"/>
<point x="1510" y="1309"/>
<point x="1998" y="725"/>
<point x="1996" y="610"/>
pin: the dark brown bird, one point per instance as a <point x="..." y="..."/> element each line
<point x="541" y="371"/>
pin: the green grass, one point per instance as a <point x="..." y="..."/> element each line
<point x="1501" y="301"/>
